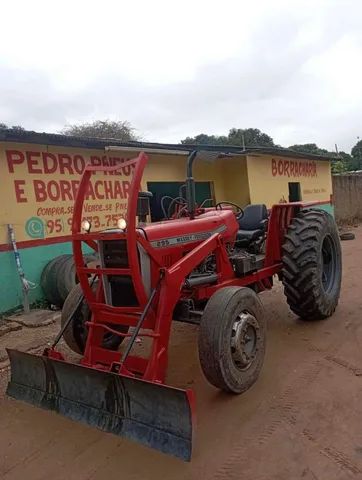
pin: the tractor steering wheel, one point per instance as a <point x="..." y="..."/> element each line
<point x="239" y="211"/>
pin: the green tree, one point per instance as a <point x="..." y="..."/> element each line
<point x="341" y="161"/>
<point x="14" y="128"/>
<point x="347" y="161"/>
<point x="118" y="130"/>
<point x="356" y="156"/>
<point x="250" y="137"/>
<point x="338" y="166"/>
<point x="310" y="148"/>
<point x="204" y="139"/>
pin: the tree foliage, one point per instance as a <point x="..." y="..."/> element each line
<point x="204" y="139"/>
<point x="341" y="161"/>
<point x="14" y="128"/>
<point x="252" y="137"/>
<point x="356" y="151"/>
<point x="356" y="156"/>
<point x="347" y="162"/>
<point x="119" y="130"/>
<point x="248" y="137"/>
<point x="310" y="148"/>
<point x="338" y="166"/>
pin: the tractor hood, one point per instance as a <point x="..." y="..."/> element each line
<point x="185" y="230"/>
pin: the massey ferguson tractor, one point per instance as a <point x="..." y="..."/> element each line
<point x="201" y="265"/>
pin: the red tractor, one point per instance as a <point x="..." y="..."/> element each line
<point x="203" y="266"/>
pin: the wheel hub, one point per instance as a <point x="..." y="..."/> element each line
<point x="244" y="340"/>
<point x="328" y="263"/>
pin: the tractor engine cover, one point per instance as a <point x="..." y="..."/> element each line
<point x="186" y="233"/>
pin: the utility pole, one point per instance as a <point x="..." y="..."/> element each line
<point x="359" y="154"/>
<point x="243" y="140"/>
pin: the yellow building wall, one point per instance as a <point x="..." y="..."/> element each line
<point x="37" y="197"/>
<point x="38" y="184"/>
<point x="172" y="168"/>
<point x="234" y="174"/>
<point x="229" y="175"/>
<point x="269" y="177"/>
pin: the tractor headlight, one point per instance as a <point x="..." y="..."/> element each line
<point x="121" y="223"/>
<point x="86" y="226"/>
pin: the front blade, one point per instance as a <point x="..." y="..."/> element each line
<point x="155" y="415"/>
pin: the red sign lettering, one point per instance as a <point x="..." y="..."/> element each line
<point x="293" y="168"/>
<point x="19" y="191"/>
<point x="14" y="157"/>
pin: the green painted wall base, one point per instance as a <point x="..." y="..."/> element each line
<point x="33" y="261"/>
<point x="327" y="207"/>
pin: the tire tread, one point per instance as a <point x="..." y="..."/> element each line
<point x="301" y="267"/>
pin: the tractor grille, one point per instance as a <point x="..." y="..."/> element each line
<point x="122" y="291"/>
<point x="119" y="289"/>
<point x="115" y="254"/>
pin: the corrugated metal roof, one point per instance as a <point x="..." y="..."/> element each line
<point x="25" y="136"/>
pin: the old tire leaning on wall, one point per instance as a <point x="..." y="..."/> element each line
<point x="312" y="265"/>
<point x="59" y="277"/>
<point x="49" y="279"/>
<point x="67" y="276"/>
<point x="75" y="335"/>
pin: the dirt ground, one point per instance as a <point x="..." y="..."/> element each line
<point x="301" y="420"/>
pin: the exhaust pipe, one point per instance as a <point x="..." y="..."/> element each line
<point x="190" y="186"/>
<point x="201" y="280"/>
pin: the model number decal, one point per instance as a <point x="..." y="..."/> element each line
<point x="192" y="237"/>
<point x="161" y="243"/>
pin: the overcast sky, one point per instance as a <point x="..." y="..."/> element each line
<point x="176" y="68"/>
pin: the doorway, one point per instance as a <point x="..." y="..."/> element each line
<point x="294" y="192"/>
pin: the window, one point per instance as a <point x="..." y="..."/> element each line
<point x="204" y="190"/>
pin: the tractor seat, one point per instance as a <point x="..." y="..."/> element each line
<point x="252" y="225"/>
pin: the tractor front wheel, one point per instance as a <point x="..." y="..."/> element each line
<point x="312" y="265"/>
<point x="232" y="339"/>
<point x="75" y="335"/>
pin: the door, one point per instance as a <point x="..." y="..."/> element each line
<point x="294" y="192"/>
<point x="159" y="190"/>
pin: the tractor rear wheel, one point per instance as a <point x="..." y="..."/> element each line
<point x="232" y="339"/>
<point x="75" y="335"/>
<point x="312" y="265"/>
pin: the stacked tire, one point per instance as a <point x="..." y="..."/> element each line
<point x="59" y="278"/>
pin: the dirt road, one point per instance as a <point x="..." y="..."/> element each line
<point x="302" y="420"/>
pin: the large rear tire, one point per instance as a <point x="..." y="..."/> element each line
<point x="232" y="339"/>
<point x="312" y="265"/>
<point x="75" y="335"/>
